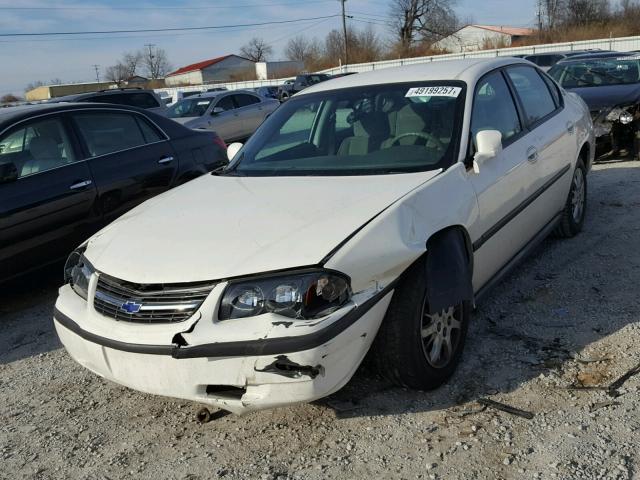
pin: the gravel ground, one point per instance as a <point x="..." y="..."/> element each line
<point x="567" y="317"/>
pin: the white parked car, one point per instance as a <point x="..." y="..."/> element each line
<point x="370" y="211"/>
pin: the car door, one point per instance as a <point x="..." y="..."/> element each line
<point x="130" y="159"/>
<point x="224" y="118"/>
<point x="47" y="195"/>
<point x="551" y="144"/>
<point x="251" y="112"/>
<point x="503" y="183"/>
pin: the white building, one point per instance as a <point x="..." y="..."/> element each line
<point x="222" y="69"/>
<point x="475" y="37"/>
<point x="267" y="70"/>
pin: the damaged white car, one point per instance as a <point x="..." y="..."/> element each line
<point x="368" y="211"/>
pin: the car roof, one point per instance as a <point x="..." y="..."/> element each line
<point x="78" y="96"/>
<point x="10" y="115"/>
<point x="596" y="55"/>
<point x="468" y="70"/>
<point x="612" y="55"/>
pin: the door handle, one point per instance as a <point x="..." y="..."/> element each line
<point x="164" y="160"/>
<point x="532" y="154"/>
<point x="570" y="127"/>
<point x="79" y="185"/>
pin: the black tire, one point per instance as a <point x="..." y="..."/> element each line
<point x="571" y="222"/>
<point x="398" y="352"/>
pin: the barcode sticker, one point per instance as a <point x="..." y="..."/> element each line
<point x="434" y="92"/>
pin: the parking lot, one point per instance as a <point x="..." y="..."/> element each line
<point x="567" y="317"/>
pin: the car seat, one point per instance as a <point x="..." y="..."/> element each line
<point x="45" y="155"/>
<point x="369" y="131"/>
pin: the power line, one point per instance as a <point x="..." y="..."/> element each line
<point x="150" y="30"/>
<point x="160" y="35"/>
<point x="202" y="7"/>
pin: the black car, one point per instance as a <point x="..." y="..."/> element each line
<point x="610" y="86"/>
<point x="66" y="170"/>
<point x="132" y="97"/>
<point x="548" y="59"/>
<point x="300" y="83"/>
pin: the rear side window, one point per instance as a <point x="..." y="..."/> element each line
<point x="553" y="88"/>
<point x="533" y="92"/>
<point x="149" y="132"/>
<point x="107" y="132"/>
<point x="244" y="100"/>
<point x="493" y="108"/>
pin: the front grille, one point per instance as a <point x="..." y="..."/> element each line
<point x="148" y="303"/>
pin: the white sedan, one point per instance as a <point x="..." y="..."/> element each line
<point x="368" y="212"/>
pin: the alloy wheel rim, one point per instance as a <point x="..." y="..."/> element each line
<point x="440" y="335"/>
<point x="577" y="198"/>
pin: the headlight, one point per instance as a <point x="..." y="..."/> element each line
<point x="77" y="272"/>
<point x="619" y="114"/>
<point x="302" y="295"/>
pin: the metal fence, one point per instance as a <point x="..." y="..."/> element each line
<point x="622" y="44"/>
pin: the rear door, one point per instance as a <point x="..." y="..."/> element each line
<point x="130" y="158"/>
<point x="551" y="144"/>
<point x="47" y="208"/>
<point x="251" y="112"/>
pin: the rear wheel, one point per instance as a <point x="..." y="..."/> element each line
<point x="576" y="204"/>
<point x="415" y="348"/>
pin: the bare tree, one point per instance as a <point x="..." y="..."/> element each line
<point x="585" y="12"/>
<point x="117" y="73"/>
<point x="131" y="61"/>
<point x="428" y="20"/>
<point x="551" y="12"/>
<point x="156" y="63"/>
<point x="256" y="50"/>
<point x="9" y="98"/>
<point x="304" y="50"/>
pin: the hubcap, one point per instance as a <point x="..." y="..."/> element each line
<point x="578" y="196"/>
<point x="441" y="335"/>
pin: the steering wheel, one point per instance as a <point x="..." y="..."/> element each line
<point x="427" y="136"/>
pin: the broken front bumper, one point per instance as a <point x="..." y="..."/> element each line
<point x="286" y="363"/>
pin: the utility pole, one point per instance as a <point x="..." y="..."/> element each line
<point x="97" y="69"/>
<point x="539" y="16"/>
<point x="344" y="31"/>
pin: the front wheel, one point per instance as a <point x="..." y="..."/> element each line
<point x="576" y="205"/>
<point x="415" y="348"/>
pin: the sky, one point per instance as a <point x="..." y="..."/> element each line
<point x="71" y="58"/>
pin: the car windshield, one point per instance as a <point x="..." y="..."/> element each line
<point x="189" y="107"/>
<point x="377" y="129"/>
<point x="597" y="72"/>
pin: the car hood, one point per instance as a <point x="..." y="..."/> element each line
<point x="611" y="96"/>
<point x="185" y="120"/>
<point x="219" y="227"/>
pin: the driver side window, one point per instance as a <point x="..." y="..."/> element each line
<point x="37" y="147"/>
<point x="494" y="109"/>
<point x="226" y="103"/>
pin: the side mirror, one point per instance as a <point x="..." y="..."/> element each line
<point x="8" y="172"/>
<point x="488" y="146"/>
<point x="217" y="110"/>
<point x="233" y="149"/>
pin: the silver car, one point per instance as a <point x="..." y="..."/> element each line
<point x="233" y="115"/>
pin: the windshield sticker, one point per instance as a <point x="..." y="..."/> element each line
<point x="203" y="103"/>
<point x="434" y="92"/>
